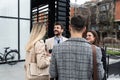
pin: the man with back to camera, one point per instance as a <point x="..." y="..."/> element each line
<point x="73" y="59"/>
<point x="58" y="38"/>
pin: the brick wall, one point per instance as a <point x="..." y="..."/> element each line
<point x="117" y="10"/>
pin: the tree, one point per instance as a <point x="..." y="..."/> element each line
<point x="106" y="17"/>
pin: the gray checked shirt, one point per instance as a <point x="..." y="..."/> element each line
<point x="73" y="60"/>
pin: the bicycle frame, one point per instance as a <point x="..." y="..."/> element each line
<point x="2" y="56"/>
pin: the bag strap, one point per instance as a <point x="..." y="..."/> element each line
<point x="95" y="75"/>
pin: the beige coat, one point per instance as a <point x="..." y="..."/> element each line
<point x="39" y="46"/>
<point x="50" y="42"/>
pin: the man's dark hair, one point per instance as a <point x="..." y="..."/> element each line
<point x="78" y="22"/>
<point x="58" y="23"/>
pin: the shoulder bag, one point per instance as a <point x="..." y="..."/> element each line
<point x="32" y="70"/>
<point x="95" y="75"/>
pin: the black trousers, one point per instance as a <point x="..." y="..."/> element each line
<point x="54" y="78"/>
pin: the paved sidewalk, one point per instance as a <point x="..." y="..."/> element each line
<point x="114" y="68"/>
<point x="14" y="72"/>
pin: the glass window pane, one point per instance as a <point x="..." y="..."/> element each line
<point x="24" y="35"/>
<point x="25" y="8"/>
<point x="8" y="33"/>
<point x="9" y="8"/>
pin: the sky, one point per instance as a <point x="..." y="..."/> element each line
<point x="79" y="1"/>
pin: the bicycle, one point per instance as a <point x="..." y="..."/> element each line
<point x="10" y="57"/>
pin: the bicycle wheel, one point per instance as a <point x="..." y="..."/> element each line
<point x="12" y="57"/>
<point x="1" y="57"/>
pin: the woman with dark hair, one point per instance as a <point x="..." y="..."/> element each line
<point x="93" y="38"/>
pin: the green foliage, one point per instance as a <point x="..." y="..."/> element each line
<point x="112" y="52"/>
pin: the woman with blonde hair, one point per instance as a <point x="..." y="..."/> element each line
<point x="35" y="47"/>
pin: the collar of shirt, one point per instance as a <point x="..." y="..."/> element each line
<point x="78" y="40"/>
<point x="56" y="40"/>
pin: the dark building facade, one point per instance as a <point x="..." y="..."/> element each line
<point x="51" y="11"/>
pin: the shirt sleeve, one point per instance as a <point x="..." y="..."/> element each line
<point x="99" y="63"/>
<point x="53" y="65"/>
<point x="39" y="47"/>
